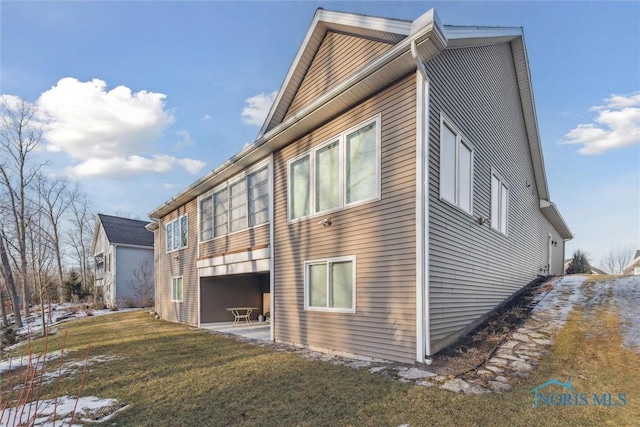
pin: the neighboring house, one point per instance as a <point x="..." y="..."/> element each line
<point x="634" y="266"/>
<point x="395" y="195"/>
<point x="594" y="270"/>
<point x="123" y="252"/>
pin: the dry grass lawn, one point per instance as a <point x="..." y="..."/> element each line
<point x="172" y="376"/>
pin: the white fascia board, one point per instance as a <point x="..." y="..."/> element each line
<point x="246" y="267"/>
<point x="462" y="36"/>
<point x="258" y="254"/>
<point x="96" y="229"/>
<point x="633" y="261"/>
<point x="260" y="148"/>
<point x="375" y="23"/>
<point x="324" y="20"/>
<point x="152" y="226"/>
<point x="292" y="69"/>
<point x="551" y="212"/>
<point x="525" y="87"/>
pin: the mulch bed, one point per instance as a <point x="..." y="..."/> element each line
<point x="473" y="349"/>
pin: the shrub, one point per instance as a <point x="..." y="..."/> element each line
<point x="579" y="263"/>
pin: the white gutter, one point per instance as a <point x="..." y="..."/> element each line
<point x="423" y="336"/>
<point x="260" y="148"/>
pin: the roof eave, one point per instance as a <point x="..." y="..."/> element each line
<point x="430" y="40"/>
<point x="324" y="21"/>
<point x="551" y="212"/>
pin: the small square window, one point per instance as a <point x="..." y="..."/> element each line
<point x="330" y="285"/>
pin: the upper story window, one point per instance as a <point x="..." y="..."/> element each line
<point x="456" y="167"/>
<point x="499" y="203"/>
<point x="342" y="172"/>
<point x="177" y="234"/>
<point x="237" y="204"/>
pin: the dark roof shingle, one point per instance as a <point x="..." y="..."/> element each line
<point x="126" y="231"/>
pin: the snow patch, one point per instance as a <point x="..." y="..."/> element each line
<point x="44" y="413"/>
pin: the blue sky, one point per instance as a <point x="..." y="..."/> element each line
<point x="166" y="91"/>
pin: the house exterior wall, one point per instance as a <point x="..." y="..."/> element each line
<point x="380" y="234"/>
<point x="249" y="239"/>
<point x="186" y="263"/>
<point x="472" y="268"/>
<point x="339" y="56"/>
<point x="128" y="259"/>
<point x="108" y="273"/>
<point x="632" y="269"/>
<point x="181" y="262"/>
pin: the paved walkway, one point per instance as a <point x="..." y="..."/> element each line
<point x="520" y="354"/>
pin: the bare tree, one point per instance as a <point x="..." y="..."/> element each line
<point x="42" y="254"/>
<point x="142" y="283"/>
<point x="8" y="278"/>
<point x="79" y="235"/>
<point x="19" y="136"/>
<point x="54" y="198"/>
<point x="616" y="259"/>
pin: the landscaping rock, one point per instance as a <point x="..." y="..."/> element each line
<point x="415" y="373"/>
<point x="520" y="337"/>
<point x="458" y="385"/>
<point x="521" y="366"/>
<point x="499" y="387"/>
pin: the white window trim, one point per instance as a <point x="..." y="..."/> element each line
<point x="460" y="139"/>
<point x="172" y="285"/>
<point x="501" y="182"/>
<point x="225" y="186"/>
<point x="307" y="307"/>
<point x="342" y="194"/>
<point x="173" y="222"/>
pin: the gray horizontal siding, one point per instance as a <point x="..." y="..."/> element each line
<point x="473" y="268"/>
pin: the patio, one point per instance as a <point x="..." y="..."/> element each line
<point x="255" y="330"/>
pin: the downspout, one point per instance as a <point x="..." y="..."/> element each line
<point x="423" y="338"/>
<point x="272" y="336"/>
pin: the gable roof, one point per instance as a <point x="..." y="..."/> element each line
<point x="427" y="37"/>
<point x="634" y="261"/>
<point x="124" y="231"/>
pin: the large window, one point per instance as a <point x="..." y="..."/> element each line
<point x="237" y="204"/>
<point x="499" y="203"/>
<point x="456" y="167"/>
<point x="176" y="289"/>
<point x="339" y="173"/>
<point x="177" y="234"/>
<point x="330" y="284"/>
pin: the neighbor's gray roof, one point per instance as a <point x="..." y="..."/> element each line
<point x="126" y="231"/>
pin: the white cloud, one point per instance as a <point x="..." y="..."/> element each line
<point x="185" y="139"/>
<point x="86" y="121"/>
<point x="109" y="132"/>
<point x="206" y="117"/>
<point x="257" y="108"/>
<point x="133" y="165"/>
<point x="616" y="125"/>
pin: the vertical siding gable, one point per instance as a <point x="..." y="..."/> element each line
<point x="339" y="56"/>
<point x="473" y="268"/>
